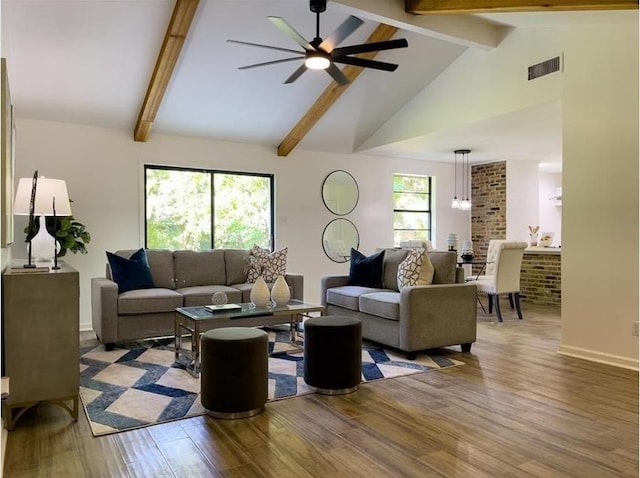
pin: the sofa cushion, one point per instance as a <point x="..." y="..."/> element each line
<point x="236" y="263"/>
<point x="347" y="296"/>
<point x="148" y="301"/>
<point x="444" y="265"/>
<point x="132" y="272"/>
<point x="410" y="268"/>
<point x="366" y="270"/>
<point x="160" y="263"/>
<point x="201" y="294"/>
<point x="199" y="268"/>
<point x="392" y="260"/>
<point x="382" y="304"/>
<point x="245" y="291"/>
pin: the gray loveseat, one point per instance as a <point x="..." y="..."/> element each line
<point x="180" y="279"/>
<point x="415" y="318"/>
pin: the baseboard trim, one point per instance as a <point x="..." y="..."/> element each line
<point x="599" y="357"/>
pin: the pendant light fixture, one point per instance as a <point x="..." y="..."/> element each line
<point x="455" y="202"/>
<point x="464" y="203"/>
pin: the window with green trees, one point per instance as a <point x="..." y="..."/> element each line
<point x="201" y="209"/>
<point x="411" y="208"/>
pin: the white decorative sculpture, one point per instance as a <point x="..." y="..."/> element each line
<point x="219" y="298"/>
<point x="260" y="296"/>
<point x="280" y="293"/>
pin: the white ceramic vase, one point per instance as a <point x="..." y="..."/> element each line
<point x="260" y="296"/>
<point x="280" y="293"/>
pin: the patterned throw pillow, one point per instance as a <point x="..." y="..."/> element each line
<point x="255" y="264"/>
<point x="266" y="264"/>
<point x="409" y="268"/>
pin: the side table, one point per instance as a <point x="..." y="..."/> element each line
<point x="41" y="340"/>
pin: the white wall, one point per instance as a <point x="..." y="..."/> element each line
<point x="600" y="194"/>
<point x="522" y="199"/>
<point x="103" y="170"/>
<point x="550" y="211"/>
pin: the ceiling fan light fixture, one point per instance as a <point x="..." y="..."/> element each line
<point x="317" y="61"/>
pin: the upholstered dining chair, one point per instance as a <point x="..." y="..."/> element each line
<point x="504" y="259"/>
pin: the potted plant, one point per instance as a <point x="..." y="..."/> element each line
<point x="70" y="234"/>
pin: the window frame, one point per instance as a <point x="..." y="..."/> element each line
<point x="429" y="211"/>
<point x="212" y="173"/>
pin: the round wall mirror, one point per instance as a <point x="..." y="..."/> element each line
<point x="338" y="238"/>
<point x="340" y="192"/>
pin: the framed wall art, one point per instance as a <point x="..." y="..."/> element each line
<point x="7" y="159"/>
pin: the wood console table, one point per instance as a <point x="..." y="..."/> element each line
<point x="41" y="340"/>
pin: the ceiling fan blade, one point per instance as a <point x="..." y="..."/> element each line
<point x="337" y="75"/>
<point x="288" y="30"/>
<point x="367" y="47"/>
<point x="265" y="46"/>
<point x="347" y="27"/>
<point x="364" y="63"/>
<point x="296" y="74"/>
<point x="273" y="62"/>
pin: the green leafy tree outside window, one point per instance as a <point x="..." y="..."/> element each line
<point x="185" y="207"/>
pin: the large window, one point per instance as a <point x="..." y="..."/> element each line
<point x="411" y="208"/>
<point x="199" y="209"/>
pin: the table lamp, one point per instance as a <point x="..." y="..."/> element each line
<point x="40" y="196"/>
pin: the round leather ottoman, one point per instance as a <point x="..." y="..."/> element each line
<point x="333" y="354"/>
<point x="234" y="371"/>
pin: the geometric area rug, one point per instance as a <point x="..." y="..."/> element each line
<point x="138" y="383"/>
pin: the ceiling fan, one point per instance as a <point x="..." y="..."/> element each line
<point x="322" y="54"/>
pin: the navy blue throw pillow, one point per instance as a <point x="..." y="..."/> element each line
<point x="132" y="273"/>
<point x="366" y="271"/>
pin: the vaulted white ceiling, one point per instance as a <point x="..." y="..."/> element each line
<point x="90" y="62"/>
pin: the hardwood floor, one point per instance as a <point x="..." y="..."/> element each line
<point x="516" y="408"/>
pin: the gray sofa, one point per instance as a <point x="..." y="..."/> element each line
<point x="181" y="279"/>
<point x="415" y="318"/>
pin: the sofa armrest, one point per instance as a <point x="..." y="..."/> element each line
<point x="296" y="282"/>
<point x="330" y="281"/>
<point x="442" y="314"/>
<point x="104" y="309"/>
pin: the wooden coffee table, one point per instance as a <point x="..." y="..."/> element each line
<point x="197" y="320"/>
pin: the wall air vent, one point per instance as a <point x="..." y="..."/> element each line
<point x="544" y="68"/>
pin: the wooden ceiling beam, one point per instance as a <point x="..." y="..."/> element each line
<point x="331" y="94"/>
<point x="429" y="7"/>
<point x="174" y="38"/>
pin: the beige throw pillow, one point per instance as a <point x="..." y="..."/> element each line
<point x="409" y="269"/>
<point x="426" y="271"/>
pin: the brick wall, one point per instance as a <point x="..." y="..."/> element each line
<point x="540" y="279"/>
<point x="488" y="205"/>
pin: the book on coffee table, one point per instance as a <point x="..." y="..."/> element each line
<point x="223" y="307"/>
